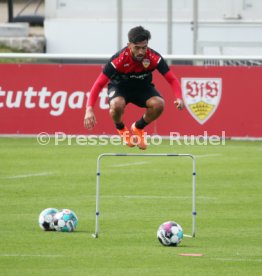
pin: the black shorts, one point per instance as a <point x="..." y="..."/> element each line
<point x="135" y="95"/>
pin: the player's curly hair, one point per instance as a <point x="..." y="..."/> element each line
<point x="138" y="34"/>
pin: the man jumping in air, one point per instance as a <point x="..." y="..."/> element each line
<point x="129" y="73"/>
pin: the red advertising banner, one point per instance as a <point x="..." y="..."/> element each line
<point x="51" y="98"/>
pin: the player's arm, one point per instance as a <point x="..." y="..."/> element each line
<point x="90" y="119"/>
<point x="164" y="69"/>
<point x="173" y="81"/>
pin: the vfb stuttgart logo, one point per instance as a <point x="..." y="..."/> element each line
<point x="201" y="96"/>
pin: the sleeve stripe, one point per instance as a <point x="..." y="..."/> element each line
<point x="159" y="60"/>
<point x="113" y="64"/>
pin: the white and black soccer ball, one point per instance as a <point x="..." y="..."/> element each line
<point x="65" y="221"/>
<point x="170" y="233"/>
<point x="46" y="219"/>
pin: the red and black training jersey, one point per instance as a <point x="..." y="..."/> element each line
<point x="124" y="70"/>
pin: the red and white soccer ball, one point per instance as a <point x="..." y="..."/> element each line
<point x="170" y="233"/>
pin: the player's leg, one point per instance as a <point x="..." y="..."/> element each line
<point x="154" y="108"/>
<point x="116" y="109"/>
<point x="154" y="104"/>
<point x="117" y="104"/>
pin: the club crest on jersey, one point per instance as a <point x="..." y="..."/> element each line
<point x="146" y="62"/>
<point x="201" y="97"/>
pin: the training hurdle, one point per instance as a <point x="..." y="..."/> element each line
<point x="98" y="174"/>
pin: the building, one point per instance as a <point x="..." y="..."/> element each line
<point x="180" y="27"/>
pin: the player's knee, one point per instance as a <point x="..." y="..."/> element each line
<point x="158" y="105"/>
<point x="117" y="106"/>
<point x="161" y="104"/>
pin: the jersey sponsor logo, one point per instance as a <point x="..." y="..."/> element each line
<point x="140" y="76"/>
<point x="146" y="62"/>
<point x="201" y="97"/>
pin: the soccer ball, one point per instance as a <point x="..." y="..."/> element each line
<point x="45" y="219"/>
<point x="170" y="233"/>
<point x="65" y="221"/>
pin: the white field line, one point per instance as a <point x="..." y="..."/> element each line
<point x="27" y="175"/>
<point x="153" y="197"/>
<point x="237" y="260"/>
<point x="30" y="255"/>
<point x="208" y="155"/>
<point x="146" y="162"/>
<point x="187" y="236"/>
<point x="131" y="164"/>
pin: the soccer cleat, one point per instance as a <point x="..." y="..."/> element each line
<point x="125" y="135"/>
<point x="140" y="137"/>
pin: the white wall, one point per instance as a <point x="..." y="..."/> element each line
<point x="90" y="26"/>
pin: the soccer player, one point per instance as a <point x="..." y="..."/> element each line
<point x="129" y="73"/>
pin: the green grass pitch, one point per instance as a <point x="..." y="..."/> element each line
<point x="137" y="195"/>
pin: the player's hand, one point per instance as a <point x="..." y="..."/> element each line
<point x="90" y="119"/>
<point x="179" y="104"/>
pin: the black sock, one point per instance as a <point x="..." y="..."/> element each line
<point x="119" y="125"/>
<point x="141" y="123"/>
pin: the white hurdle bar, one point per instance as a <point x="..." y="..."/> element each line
<point x="98" y="173"/>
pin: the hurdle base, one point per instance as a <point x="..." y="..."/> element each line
<point x="188" y="236"/>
